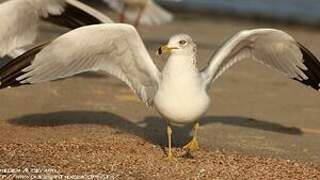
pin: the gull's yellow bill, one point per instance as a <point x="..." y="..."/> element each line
<point x="165" y="50"/>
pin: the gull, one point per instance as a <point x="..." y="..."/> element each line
<point x="20" y="20"/>
<point x="180" y="91"/>
<point x="141" y="11"/>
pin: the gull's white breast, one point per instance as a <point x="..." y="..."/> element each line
<point x="181" y="97"/>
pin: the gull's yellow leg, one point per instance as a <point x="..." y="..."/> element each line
<point x="170" y="155"/>
<point x="193" y="145"/>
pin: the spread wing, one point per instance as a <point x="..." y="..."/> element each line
<point x="113" y="48"/>
<point x="271" y="47"/>
<point x="20" y="19"/>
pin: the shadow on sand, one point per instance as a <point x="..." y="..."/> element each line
<point x="151" y="129"/>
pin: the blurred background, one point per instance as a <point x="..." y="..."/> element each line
<point x="254" y="110"/>
<point x="290" y="11"/>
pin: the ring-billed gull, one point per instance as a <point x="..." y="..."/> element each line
<point x="180" y="91"/>
<point x="20" y="20"/>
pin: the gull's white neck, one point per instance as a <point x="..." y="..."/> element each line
<point x="179" y="65"/>
<point x="180" y="72"/>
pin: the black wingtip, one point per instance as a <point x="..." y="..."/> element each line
<point x="13" y="69"/>
<point x="73" y="18"/>
<point x="313" y="68"/>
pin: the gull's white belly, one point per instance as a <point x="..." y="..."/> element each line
<point x="182" y="103"/>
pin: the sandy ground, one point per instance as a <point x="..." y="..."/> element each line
<point x="260" y="125"/>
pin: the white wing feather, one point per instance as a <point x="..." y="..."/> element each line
<point x="114" y="48"/>
<point x="20" y="20"/>
<point x="271" y="47"/>
<point x="19" y="23"/>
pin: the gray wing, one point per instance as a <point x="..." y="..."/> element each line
<point x="113" y="48"/>
<point x="271" y="47"/>
<point x="20" y="19"/>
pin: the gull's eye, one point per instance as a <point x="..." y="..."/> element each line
<point x="182" y="42"/>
